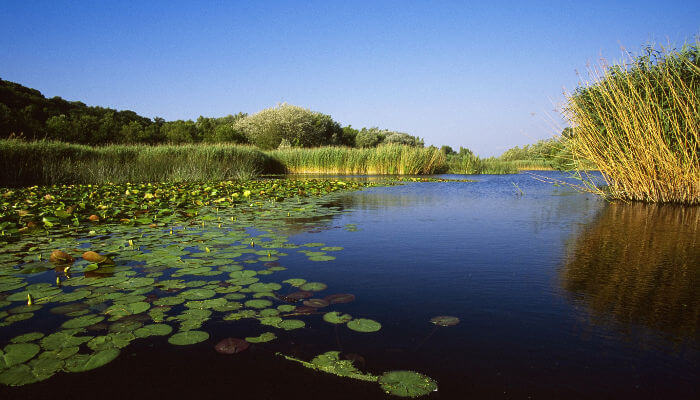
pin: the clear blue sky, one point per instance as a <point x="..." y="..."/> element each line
<point x="486" y="75"/>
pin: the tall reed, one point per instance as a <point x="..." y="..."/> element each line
<point x="45" y="163"/>
<point x="639" y="123"/>
<point x="386" y="159"/>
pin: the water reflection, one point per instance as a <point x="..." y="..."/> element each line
<point x="639" y="264"/>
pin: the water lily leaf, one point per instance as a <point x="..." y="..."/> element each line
<point x="240" y="315"/>
<point x="188" y="337"/>
<point x="296" y="282"/>
<point x="290" y="324"/>
<point x="364" y="325"/>
<point x="286" y="308"/>
<point x="262" y="338"/>
<point x="119" y="310"/>
<point x="81" y="322"/>
<point x="321" y="258"/>
<point x="206" y="304"/>
<point x="444" y="320"/>
<point x="113" y="340"/>
<point x="169" y="301"/>
<point x="87" y="362"/>
<point x="231" y="346"/>
<point x="316" y="303"/>
<point x="331" y="248"/>
<point x="313" y="286"/>
<point x="331" y="363"/>
<point x="270" y="321"/>
<point x="407" y="383"/>
<point x="43" y="367"/>
<point x="17" y="353"/>
<point x="197" y="294"/>
<point x="340" y="298"/>
<point x="335" y="317"/>
<point x="153" y="330"/>
<point x="27" y="337"/>
<point x="258" y="303"/>
<point x="63" y="339"/>
<point x="18" y="375"/>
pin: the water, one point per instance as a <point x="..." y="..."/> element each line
<point x="559" y="294"/>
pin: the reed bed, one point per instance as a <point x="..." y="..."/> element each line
<point x="47" y="163"/>
<point x="382" y="160"/>
<point x="639" y="123"/>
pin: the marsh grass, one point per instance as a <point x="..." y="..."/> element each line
<point x="44" y="163"/>
<point x="639" y="123"/>
<point x="385" y="159"/>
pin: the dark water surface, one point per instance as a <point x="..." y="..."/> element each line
<point x="560" y="295"/>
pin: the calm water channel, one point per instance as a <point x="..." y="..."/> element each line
<point x="559" y="295"/>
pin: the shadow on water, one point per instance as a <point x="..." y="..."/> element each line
<point x="639" y="265"/>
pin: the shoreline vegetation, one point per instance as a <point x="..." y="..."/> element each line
<point x="32" y="163"/>
<point x="639" y="123"/>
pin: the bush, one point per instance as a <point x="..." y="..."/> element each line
<point x="299" y="126"/>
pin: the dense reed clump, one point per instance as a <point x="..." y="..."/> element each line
<point x="385" y="159"/>
<point x="639" y="123"/>
<point x="44" y="163"/>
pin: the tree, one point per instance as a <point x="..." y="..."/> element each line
<point x="299" y="126"/>
<point x="180" y="131"/>
<point x="371" y="137"/>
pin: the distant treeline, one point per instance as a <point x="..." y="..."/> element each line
<point x="26" y="114"/>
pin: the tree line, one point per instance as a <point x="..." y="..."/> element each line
<point x="25" y="113"/>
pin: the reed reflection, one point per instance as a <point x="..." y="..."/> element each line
<point x="639" y="264"/>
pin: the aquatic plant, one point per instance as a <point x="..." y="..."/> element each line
<point x="639" y="123"/>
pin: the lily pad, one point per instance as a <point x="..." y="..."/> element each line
<point x="316" y="303"/>
<point x="364" y="325"/>
<point x="231" y="346"/>
<point x="17" y="353"/>
<point x="27" y="337"/>
<point x="290" y="324"/>
<point x="340" y="298"/>
<point x="262" y="338"/>
<point x="313" y="286"/>
<point x="444" y="320"/>
<point x="258" y="303"/>
<point x="335" y="317"/>
<point x="18" y="375"/>
<point x="81" y="322"/>
<point x="87" y="362"/>
<point x="188" y="337"/>
<point x="407" y="383"/>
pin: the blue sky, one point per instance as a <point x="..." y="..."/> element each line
<point x="484" y="75"/>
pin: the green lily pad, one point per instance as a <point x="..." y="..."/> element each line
<point x="87" y="362"/>
<point x="286" y="308"/>
<point x="364" y="325"/>
<point x="296" y="282"/>
<point x="321" y="258"/>
<point x="113" y="340"/>
<point x="262" y="338"/>
<point x="407" y="384"/>
<point x="188" y="337"/>
<point x="81" y="322"/>
<point x="17" y="353"/>
<point x="290" y="324"/>
<point x="313" y="286"/>
<point x="119" y="310"/>
<point x="335" y="317"/>
<point x="19" y="375"/>
<point x="153" y="330"/>
<point x="27" y="337"/>
<point x="197" y="294"/>
<point x="258" y="303"/>
<point x="63" y="339"/>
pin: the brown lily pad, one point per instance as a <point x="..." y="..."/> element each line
<point x="340" y="298"/>
<point x="231" y="346"/>
<point x="91" y="256"/>
<point x="445" y="320"/>
<point x="61" y="257"/>
<point x="94" y="218"/>
<point x="304" y="310"/>
<point x="303" y="294"/>
<point x="316" y="303"/>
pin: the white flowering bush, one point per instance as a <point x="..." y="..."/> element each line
<point x="300" y="127"/>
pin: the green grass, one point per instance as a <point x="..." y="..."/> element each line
<point x="48" y="163"/>
<point x="386" y="159"/>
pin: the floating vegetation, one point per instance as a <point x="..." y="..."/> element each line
<point x="364" y="325"/>
<point x="231" y="346"/>
<point x="398" y="383"/>
<point x="444" y="320"/>
<point x="161" y="260"/>
<point x="407" y="383"/>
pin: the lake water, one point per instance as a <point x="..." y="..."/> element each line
<point x="559" y="295"/>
